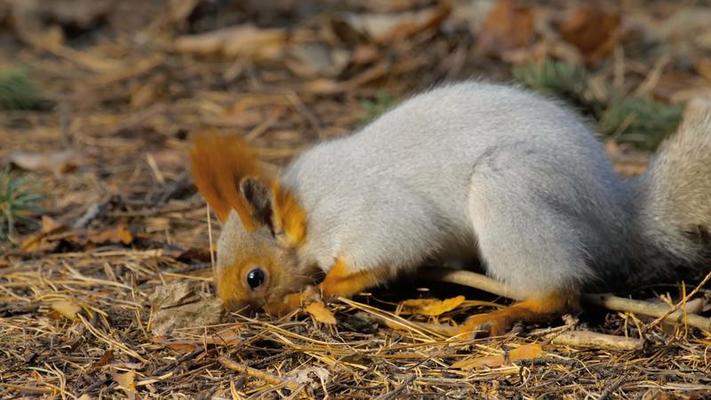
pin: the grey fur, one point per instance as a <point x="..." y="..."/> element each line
<point x="479" y="169"/>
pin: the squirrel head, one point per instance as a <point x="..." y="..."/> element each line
<point x="263" y="224"/>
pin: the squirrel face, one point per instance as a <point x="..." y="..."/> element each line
<point x="263" y="227"/>
<point x="253" y="268"/>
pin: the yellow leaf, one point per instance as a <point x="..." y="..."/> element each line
<point x="525" y="352"/>
<point x="66" y="308"/>
<point x="127" y="382"/>
<point x="432" y="307"/>
<point x="322" y="314"/>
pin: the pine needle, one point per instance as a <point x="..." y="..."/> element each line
<point x="17" y="204"/>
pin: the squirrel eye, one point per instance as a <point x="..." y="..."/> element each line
<point x="255" y="278"/>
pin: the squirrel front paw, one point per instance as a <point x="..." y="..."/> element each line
<point x="291" y="302"/>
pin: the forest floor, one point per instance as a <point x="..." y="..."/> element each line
<point x="105" y="268"/>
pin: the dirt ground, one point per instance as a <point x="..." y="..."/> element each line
<point x="105" y="267"/>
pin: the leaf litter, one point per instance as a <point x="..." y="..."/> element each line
<point x="109" y="293"/>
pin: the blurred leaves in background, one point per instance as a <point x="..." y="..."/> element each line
<point x="640" y="121"/>
<point x="17" y="90"/>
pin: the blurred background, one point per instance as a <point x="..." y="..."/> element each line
<point x="99" y="97"/>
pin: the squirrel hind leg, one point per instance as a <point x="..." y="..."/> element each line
<point x="535" y="309"/>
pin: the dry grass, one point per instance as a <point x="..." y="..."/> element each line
<point x="77" y="319"/>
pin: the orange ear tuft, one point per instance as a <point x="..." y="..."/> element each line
<point x="219" y="162"/>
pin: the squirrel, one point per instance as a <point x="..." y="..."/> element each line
<point x="464" y="170"/>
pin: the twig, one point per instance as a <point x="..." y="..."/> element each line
<point x="615" y="303"/>
<point x="255" y="373"/>
<point x="393" y="393"/>
<point x="706" y="326"/>
<point x="189" y="356"/>
<point x="595" y="340"/>
<point x="607" y="392"/>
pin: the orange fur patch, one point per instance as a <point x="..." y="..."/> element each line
<point x="218" y="164"/>
<point x="530" y="310"/>
<point x="340" y="281"/>
<point x="231" y="287"/>
<point x="289" y="217"/>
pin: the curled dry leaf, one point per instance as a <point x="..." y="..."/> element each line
<point x="66" y="308"/>
<point x="57" y="162"/>
<point x="432" y="307"/>
<point x="593" y="30"/>
<point x="525" y="352"/>
<point x="387" y="28"/>
<point x="242" y="41"/>
<point x="316" y="59"/>
<point x="509" y="25"/>
<point x="322" y="314"/>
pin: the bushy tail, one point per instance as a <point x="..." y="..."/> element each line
<point x="675" y="192"/>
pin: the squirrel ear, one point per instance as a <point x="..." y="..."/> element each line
<point x="219" y="162"/>
<point x="259" y="199"/>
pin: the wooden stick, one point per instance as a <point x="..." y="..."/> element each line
<point x="614" y="303"/>
<point x="595" y="340"/>
<point x="681" y="303"/>
<point x="255" y="373"/>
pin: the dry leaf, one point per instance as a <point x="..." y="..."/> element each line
<point x="387" y="28"/>
<point x="703" y="67"/>
<point x="322" y="314"/>
<point x="509" y="25"/>
<point x="66" y="308"/>
<point x="525" y="352"/>
<point x="50" y="225"/>
<point x="36" y="242"/>
<point x="105" y="359"/>
<point x="182" y="304"/>
<point x="432" y="307"/>
<point x="127" y="382"/>
<point x="593" y="30"/>
<point x="316" y="59"/>
<point x="119" y="234"/>
<point x="242" y="41"/>
<point x="57" y="162"/>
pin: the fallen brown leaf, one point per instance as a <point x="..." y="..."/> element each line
<point x="118" y="234"/>
<point x="525" y="352"/>
<point x="57" y="162"/>
<point x="127" y="382"/>
<point x="593" y="30"/>
<point x="432" y="307"/>
<point x="66" y="308"/>
<point x="509" y="25"/>
<point x="242" y="41"/>
<point x="105" y="359"/>
<point x="387" y="28"/>
<point x="182" y="304"/>
<point x="320" y="313"/>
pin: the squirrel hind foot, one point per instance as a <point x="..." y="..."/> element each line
<point x="534" y="309"/>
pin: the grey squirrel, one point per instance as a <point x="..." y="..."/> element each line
<point x="464" y="170"/>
